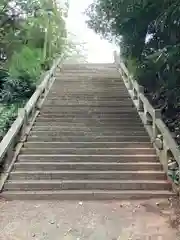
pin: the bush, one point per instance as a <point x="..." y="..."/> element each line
<point x="3" y="75"/>
<point x="27" y="62"/>
<point x="24" y="72"/>
<point x="7" y="115"/>
<point x="17" y="89"/>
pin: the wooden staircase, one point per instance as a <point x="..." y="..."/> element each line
<point x="88" y="143"/>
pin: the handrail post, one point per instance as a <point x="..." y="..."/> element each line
<point x="115" y="57"/>
<point x="157" y="115"/>
<point x="140" y="102"/>
<point x="23" y="113"/>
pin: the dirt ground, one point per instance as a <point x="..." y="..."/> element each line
<point x="112" y="220"/>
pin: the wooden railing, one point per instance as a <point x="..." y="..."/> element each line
<point x="13" y="140"/>
<point x="165" y="145"/>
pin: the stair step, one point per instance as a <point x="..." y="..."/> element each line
<point x="97" y="138"/>
<point x="87" y="95"/>
<point x="90" y="104"/>
<point x="88" y="145"/>
<point x="64" y="133"/>
<point x="88" y="115"/>
<point x="86" y="184"/>
<point x="92" y="124"/>
<point x="75" y="120"/>
<point x="85" y="195"/>
<point x="77" y="108"/>
<point x="89" y="151"/>
<point x="86" y="128"/>
<point x="89" y="112"/>
<point x="89" y="98"/>
<point x="104" y="175"/>
<point x="90" y="166"/>
<point x="88" y="158"/>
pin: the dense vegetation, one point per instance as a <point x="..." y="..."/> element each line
<point x="32" y="33"/>
<point x="149" y="38"/>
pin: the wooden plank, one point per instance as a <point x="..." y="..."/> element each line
<point x="18" y="123"/>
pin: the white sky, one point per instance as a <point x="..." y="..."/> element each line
<point x="98" y="50"/>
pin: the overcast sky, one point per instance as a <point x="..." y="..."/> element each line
<point x="98" y="50"/>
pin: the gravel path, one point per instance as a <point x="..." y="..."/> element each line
<point x="112" y="220"/>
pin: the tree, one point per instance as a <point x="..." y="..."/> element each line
<point x="32" y="34"/>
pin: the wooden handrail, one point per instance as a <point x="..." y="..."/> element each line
<point x="158" y="127"/>
<point x="8" y="142"/>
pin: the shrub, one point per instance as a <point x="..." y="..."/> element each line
<point x="3" y="75"/>
<point x="7" y="115"/>
<point x="17" y="89"/>
<point x="27" y="62"/>
<point x="24" y="72"/>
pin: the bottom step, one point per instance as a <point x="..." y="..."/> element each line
<point x="84" y="195"/>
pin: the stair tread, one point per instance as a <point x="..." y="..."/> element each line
<point x="87" y="163"/>
<point x="141" y="192"/>
<point x="109" y="148"/>
<point x="72" y="155"/>
<point x="83" y="171"/>
<point x="86" y="181"/>
<point x="88" y="143"/>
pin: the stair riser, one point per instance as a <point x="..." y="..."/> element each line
<point x="87" y="145"/>
<point x="70" y="88"/>
<point x="87" y="186"/>
<point x="92" y="69"/>
<point x="93" y="124"/>
<point x="87" y="139"/>
<point x="87" y="87"/>
<point x="83" y="121"/>
<point x="88" y="98"/>
<point x="84" y="91"/>
<point x="85" y="103"/>
<point x="88" y="115"/>
<point x="87" y="151"/>
<point x="85" y="84"/>
<point x="122" y="159"/>
<point x="87" y="109"/>
<point x="85" y="81"/>
<point x="63" y="133"/>
<point x="90" y="76"/>
<point x="88" y="176"/>
<point x="88" y="71"/>
<point x="84" y="196"/>
<point x="89" y="167"/>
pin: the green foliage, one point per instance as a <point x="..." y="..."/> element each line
<point x="128" y="21"/>
<point x="17" y="89"/>
<point x="26" y="62"/>
<point x="148" y="34"/>
<point x="32" y="34"/>
<point x="7" y="116"/>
